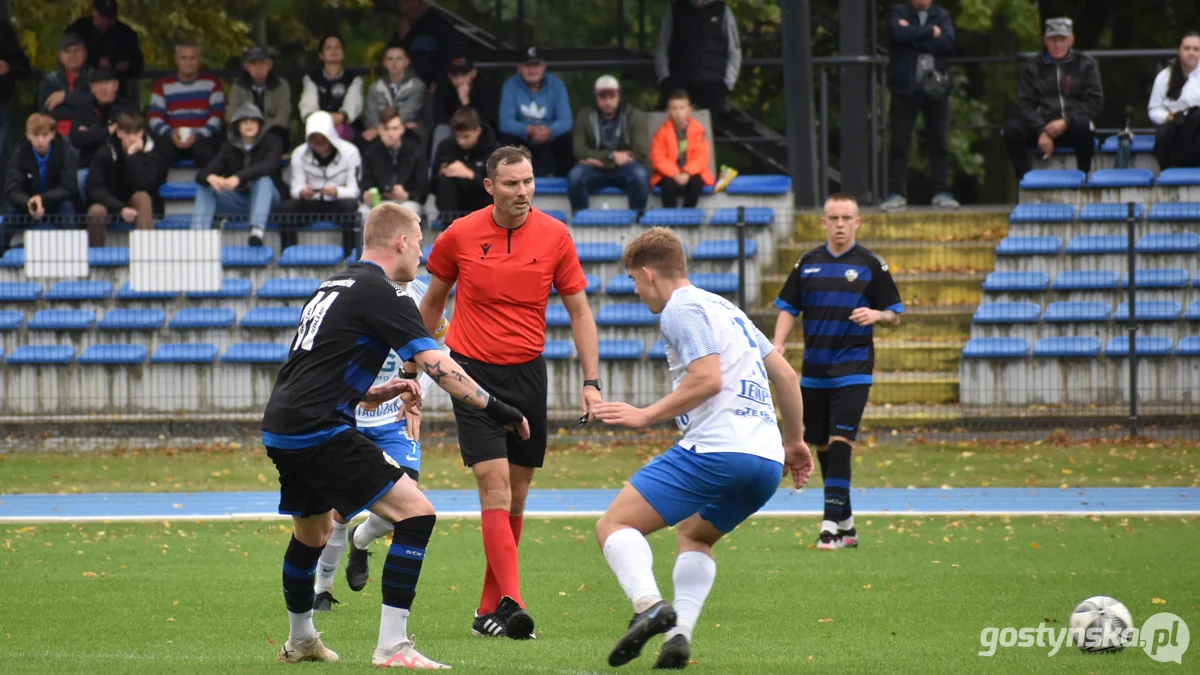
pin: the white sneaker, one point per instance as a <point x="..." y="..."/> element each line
<point x="404" y="655"/>
<point x="313" y="650"/>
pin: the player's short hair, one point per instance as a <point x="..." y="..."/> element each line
<point x="38" y="124"/>
<point x="658" y="248"/>
<point x="507" y="154"/>
<point x="130" y="122"/>
<point x="385" y="222"/>
<point x="187" y="44"/>
<point x="465" y="119"/>
<point x="842" y="197"/>
<point x="387" y="115"/>
<point x="678" y="95"/>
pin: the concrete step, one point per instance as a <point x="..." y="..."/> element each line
<point x="914" y="387"/>
<point x="908" y="256"/>
<point x="899" y="356"/>
<point x="986" y="223"/>
<point x="951" y="324"/>
<point x="917" y="290"/>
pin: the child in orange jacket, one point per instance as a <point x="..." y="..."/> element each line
<point x="679" y="154"/>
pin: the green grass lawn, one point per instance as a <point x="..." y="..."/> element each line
<point x="184" y="597"/>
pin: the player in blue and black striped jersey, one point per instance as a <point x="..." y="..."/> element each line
<point x="842" y="289"/>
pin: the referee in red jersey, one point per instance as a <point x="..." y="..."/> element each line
<point x="505" y="258"/>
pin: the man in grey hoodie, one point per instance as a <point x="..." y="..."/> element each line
<point x="399" y="88"/>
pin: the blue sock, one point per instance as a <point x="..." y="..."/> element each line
<point x="299" y="568"/>
<point x="402" y="568"/>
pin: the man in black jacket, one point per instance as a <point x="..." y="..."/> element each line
<point x="244" y="179"/>
<point x="466" y="90"/>
<point x="14" y="65"/>
<point x="394" y="166"/>
<point x="124" y="179"/>
<point x="64" y="93"/>
<point x="110" y="42"/>
<point x="699" y="51"/>
<point x="91" y="127"/>
<point x="1058" y="98"/>
<point x="922" y="37"/>
<point x="39" y="184"/>
<point x="460" y="165"/>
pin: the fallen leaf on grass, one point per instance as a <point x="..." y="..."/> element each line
<point x="270" y="641"/>
<point x="171" y="620"/>
<point x="1158" y="601"/>
<point x="90" y="575"/>
<point x="825" y="620"/>
<point x="1033" y="544"/>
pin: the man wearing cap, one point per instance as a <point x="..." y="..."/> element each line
<point x="1059" y="96"/>
<point x="535" y="111"/>
<point x="611" y="141"/>
<point x="92" y="126"/>
<point x="110" y="43"/>
<point x="699" y="51"/>
<point x="258" y="84"/>
<point x="64" y="92"/>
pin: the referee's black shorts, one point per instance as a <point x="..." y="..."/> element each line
<point x="833" y="412"/>
<point x="522" y="386"/>
<point x="347" y="473"/>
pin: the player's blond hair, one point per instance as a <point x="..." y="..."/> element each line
<point x="386" y="222"/>
<point x="657" y="248"/>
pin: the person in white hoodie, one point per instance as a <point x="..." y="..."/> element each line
<point x="324" y="183"/>
<point x="1175" y="107"/>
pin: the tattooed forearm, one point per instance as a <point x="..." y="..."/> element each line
<point x="479" y="399"/>
<point x="448" y="375"/>
<point x="435" y="372"/>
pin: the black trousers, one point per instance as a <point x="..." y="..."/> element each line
<point x="297" y="213"/>
<point x="672" y="191"/>
<point x="1177" y="143"/>
<point x="555" y="157"/>
<point x="902" y="120"/>
<point x="1019" y="137"/>
<point x="457" y="197"/>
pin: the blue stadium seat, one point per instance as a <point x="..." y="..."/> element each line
<point x="255" y="352"/>
<point x="288" y="288"/>
<point x="1158" y="278"/>
<point x="593" y="285"/>
<point x="550" y="186"/>
<point x="175" y="221"/>
<point x="1098" y="244"/>
<point x="673" y="217"/>
<point x="1150" y="310"/>
<point x="604" y="217"/>
<point x="1175" y="242"/>
<point x="132" y="319"/>
<point x="1042" y="213"/>
<point x="181" y="352"/>
<point x="658" y="351"/>
<point x="62" y="319"/>
<point x="1016" y="282"/>
<point x="598" y="251"/>
<point x="199" y="318"/>
<point x="1085" y="280"/>
<point x="183" y="191"/>
<point x="1146" y="345"/>
<point x="311" y="256"/>
<point x="11" y="319"/>
<point x="715" y="282"/>
<point x="42" y="355"/>
<point x="113" y="354"/>
<point x="723" y="249"/>
<point x="20" y="291"/>
<point x="1193" y="311"/>
<point x="1067" y="347"/>
<point x="1107" y="213"/>
<point x="560" y="216"/>
<point x="619" y="285"/>
<point x="1030" y="246"/>
<point x="626" y="314"/>
<point x="13" y="257"/>
<point x="80" y="290"/>
<point x="1077" y="312"/>
<point x="770" y="184"/>
<point x="621" y="350"/>
<point x="705" y="190"/>
<point x="556" y="315"/>
<point x="996" y="348"/>
<point x="1188" y="346"/>
<point x="557" y="350"/>
<point x="126" y="292"/>
<point x="114" y="256"/>
<point x="754" y="215"/>
<point x="1179" y="176"/>
<point x="1007" y="312"/>
<point x="272" y="317"/>
<point x="425" y="252"/>
<point x="322" y="226"/>
<point x="1170" y="211"/>
<point x="1053" y="179"/>
<point x="246" y="256"/>
<point x="1142" y="143"/>
<point x="232" y="288"/>
<point x="1118" y="178"/>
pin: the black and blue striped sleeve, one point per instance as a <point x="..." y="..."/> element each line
<point x="790" y="295"/>
<point x="882" y="293"/>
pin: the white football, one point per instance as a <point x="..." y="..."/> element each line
<point x="1101" y="624"/>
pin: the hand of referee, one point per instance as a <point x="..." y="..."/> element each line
<point x="798" y="461"/>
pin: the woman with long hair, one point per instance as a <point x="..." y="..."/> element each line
<point x="1175" y="107"/>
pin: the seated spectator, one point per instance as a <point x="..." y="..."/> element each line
<point x="608" y="138"/>
<point x="699" y="51"/>
<point x="679" y="154"/>
<point x="461" y="164"/>
<point x="332" y="89"/>
<point x="14" y="66"/>
<point x="1059" y="95"/>
<point x="110" y="43"/>
<point x="244" y="179"/>
<point x="324" y="183"/>
<point x="466" y="90"/>
<point x="64" y="92"/>
<point x="395" y="165"/>
<point x="124" y="179"/>
<point x="1175" y="107"/>
<point x="258" y="84"/>
<point x="93" y="126"/>
<point x="187" y="109"/>
<point x="536" y="112"/>
<point x="399" y="88"/>
<point x="39" y="184"/>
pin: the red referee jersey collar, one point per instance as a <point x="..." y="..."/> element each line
<point x="492" y="218"/>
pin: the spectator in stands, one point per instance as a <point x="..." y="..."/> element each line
<point x="14" y="65"/>
<point x="922" y="37"/>
<point x="64" y="92"/>
<point x="679" y="154"/>
<point x="396" y="165"/>
<point x="466" y="90"/>
<point x="324" y="182"/>
<point x="1175" y="107"/>
<point x="699" y="51"/>
<point x="92" y="126"/>
<point x="399" y="88"/>
<point x="609" y="137"/>
<point x="125" y="177"/>
<point x="258" y="84"/>
<point x="187" y="109"/>
<point x="461" y="164"/>
<point x="1058" y="97"/>
<point x="110" y="43"/>
<point x="429" y="39"/>
<point x="39" y="183"/>
<point x="245" y="178"/>
<point x="332" y="89"/>
<point x="535" y="111"/>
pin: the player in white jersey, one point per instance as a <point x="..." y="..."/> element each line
<point x="397" y="433"/>
<point x="726" y="466"/>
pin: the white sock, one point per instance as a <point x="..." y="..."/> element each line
<point x="303" y="629"/>
<point x="694" y="574"/>
<point x="393" y="627"/>
<point x="256" y="231"/>
<point x="829" y="526"/>
<point x="371" y="529"/>
<point x="847" y="524"/>
<point x="629" y="555"/>
<point x="331" y="556"/>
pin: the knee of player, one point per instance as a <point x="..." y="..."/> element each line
<point x="421" y="508"/>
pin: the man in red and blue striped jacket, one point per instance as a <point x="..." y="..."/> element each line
<point x="187" y="109"/>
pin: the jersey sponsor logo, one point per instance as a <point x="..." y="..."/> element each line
<point x="344" y="283"/>
<point x="851" y="275"/>
<point x="753" y="391"/>
<point x="764" y="415"/>
<point x="811" y="270"/>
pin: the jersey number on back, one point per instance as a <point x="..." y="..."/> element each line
<point x="310" y="320"/>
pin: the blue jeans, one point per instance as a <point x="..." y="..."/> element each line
<point x="631" y="177"/>
<point x="256" y="204"/>
<point x="81" y="177"/>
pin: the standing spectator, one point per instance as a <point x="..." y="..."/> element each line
<point x="922" y="37"/>
<point x="429" y="38"/>
<point x="399" y="88"/>
<point x="679" y="154"/>
<point x="244" y="179"/>
<point x="461" y="165"/>
<point x="609" y="137"/>
<point x="258" y="84"/>
<point x="332" y="89"/>
<point x="466" y="90"/>
<point x="92" y="127"/>
<point x="1175" y="107"/>
<point x="110" y="43"/>
<point x="1058" y="98"/>
<point x="699" y="51"/>
<point x="324" y="182"/>
<point x="396" y="165"/>
<point x="14" y="65"/>
<point x="39" y="183"/>
<point x="187" y="109"/>
<point x="64" y="92"/>
<point x="124" y="179"/>
<point x="535" y="111"/>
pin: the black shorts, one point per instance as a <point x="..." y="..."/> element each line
<point x="833" y="412"/>
<point x="522" y="386"/>
<point x="346" y="473"/>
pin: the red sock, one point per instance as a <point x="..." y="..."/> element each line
<point x="516" y="523"/>
<point x="491" y="588"/>
<point x="500" y="547"/>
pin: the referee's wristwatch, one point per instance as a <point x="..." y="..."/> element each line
<point x="597" y="383"/>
